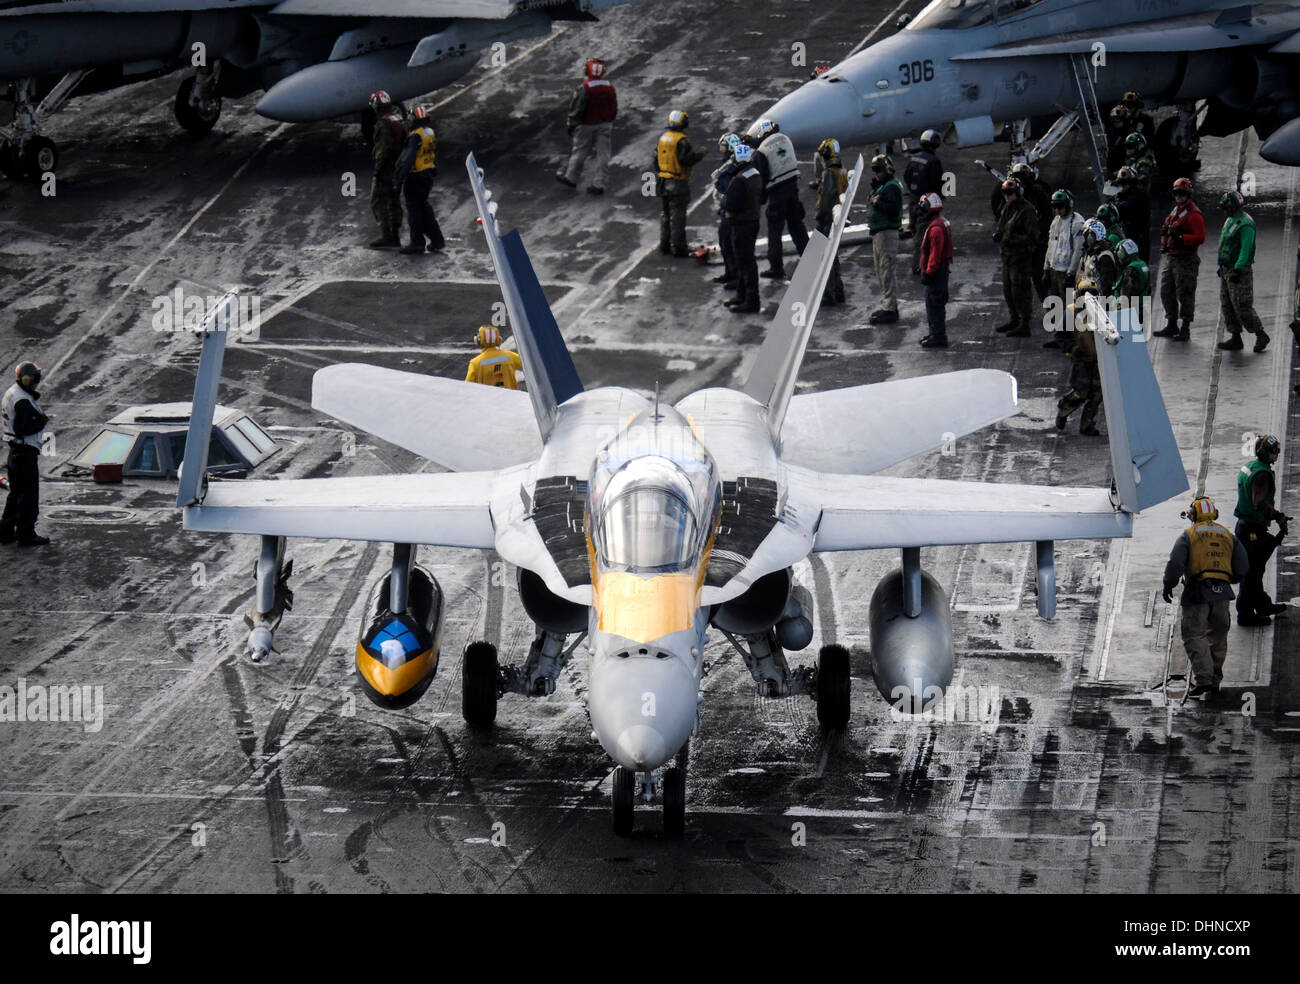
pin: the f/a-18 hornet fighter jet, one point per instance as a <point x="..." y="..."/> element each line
<point x="315" y="59"/>
<point x="972" y="64"/>
<point x="637" y="525"/>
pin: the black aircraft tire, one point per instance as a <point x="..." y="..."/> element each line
<point x="478" y="685"/>
<point x="674" y="790"/>
<point x="40" y="156"/>
<point x="833" y="687"/>
<point x="191" y="120"/>
<point x="622" y="800"/>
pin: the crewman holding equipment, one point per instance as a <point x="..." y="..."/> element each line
<point x="414" y="175"/>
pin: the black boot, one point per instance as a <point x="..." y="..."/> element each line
<point x="1184" y="332"/>
<point x="1170" y="330"/>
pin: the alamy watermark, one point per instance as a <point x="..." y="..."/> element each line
<point x="53" y="704"/>
<point x="955" y="704"/>
<point x="181" y="311"/>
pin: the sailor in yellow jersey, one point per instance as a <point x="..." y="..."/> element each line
<point x="494" y="366"/>
<point x="674" y="158"/>
<point x="416" y="168"/>
<point x="1209" y="560"/>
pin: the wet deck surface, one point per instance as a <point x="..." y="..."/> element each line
<point x="211" y="773"/>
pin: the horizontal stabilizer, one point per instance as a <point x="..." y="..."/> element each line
<point x="446" y="510"/>
<point x="862" y="429"/>
<point x="869" y="512"/>
<point x="459" y="425"/>
<point x="1144" y="455"/>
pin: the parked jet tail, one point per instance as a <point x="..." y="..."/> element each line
<point x="548" y="367"/>
<point x="1144" y="455"/>
<point x="195" y="464"/>
<point x="771" y="380"/>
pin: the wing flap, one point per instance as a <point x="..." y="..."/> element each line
<point x="874" y="512"/>
<point x="448" y="510"/>
<point x="862" y="429"/>
<point x="462" y="426"/>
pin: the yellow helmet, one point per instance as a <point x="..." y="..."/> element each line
<point x="1086" y="285"/>
<point x="678" y="120"/>
<point x="1203" y="510"/>
<point x="488" y="336"/>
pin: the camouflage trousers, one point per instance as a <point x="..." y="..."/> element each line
<point x="1237" y="302"/>
<point x="1205" y="638"/>
<point x="674" y="196"/>
<point x="1085" y="391"/>
<point x="1178" y="286"/>
<point x="385" y="204"/>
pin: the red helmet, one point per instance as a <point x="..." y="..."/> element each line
<point x="1183" y="186"/>
<point x="380" y="99"/>
<point x="595" y="68"/>
<point x="420" y="116"/>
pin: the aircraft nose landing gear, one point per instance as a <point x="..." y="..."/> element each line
<point x="23" y="151"/>
<point x="669" y="784"/>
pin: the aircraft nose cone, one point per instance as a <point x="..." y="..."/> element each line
<point x="642" y="708"/>
<point x="642" y="745"/>
<point x="817" y="110"/>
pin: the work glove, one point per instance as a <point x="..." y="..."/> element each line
<point x="997" y="237"/>
<point x="1168" y="594"/>
<point x="927" y="279"/>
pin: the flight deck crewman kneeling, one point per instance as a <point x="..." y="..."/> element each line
<point x="494" y="366"/>
<point x="1209" y="560"/>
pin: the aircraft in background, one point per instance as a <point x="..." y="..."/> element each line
<point x="969" y="65"/>
<point x="316" y="59"/>
<point x="636" y="525"/>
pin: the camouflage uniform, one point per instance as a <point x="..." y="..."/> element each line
<point x="1085" y="384"/>
<point x="1017" y="236"/>
<point x="1236" y="275"/>
<point x="390" y="135"/>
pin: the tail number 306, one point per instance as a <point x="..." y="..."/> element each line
<point x="917" y="71"/>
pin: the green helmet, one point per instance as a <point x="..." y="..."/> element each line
<point x="1136" y="143"/>
<point x="1062" y="199"/>
<point x="1108" y="213"/>
<point x="1232" y="201"/>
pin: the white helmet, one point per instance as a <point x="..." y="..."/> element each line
<point x="743" y="153"/>
<point x="763" y="128"/>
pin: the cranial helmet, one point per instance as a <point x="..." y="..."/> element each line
<point x="678" y="120"/>
<point x="595" y="68"/>
<point x="28" y="370"/>
<point x="1264" y="444"/>
<point x="1203" y="510"/>
<point x="488" y="336"/>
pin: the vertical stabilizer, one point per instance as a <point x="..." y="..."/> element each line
<point x="214" y="331"/>
<point x="771" y="381"/>
<point x="548" y="367"/>
<point x="1144" y="455"/>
